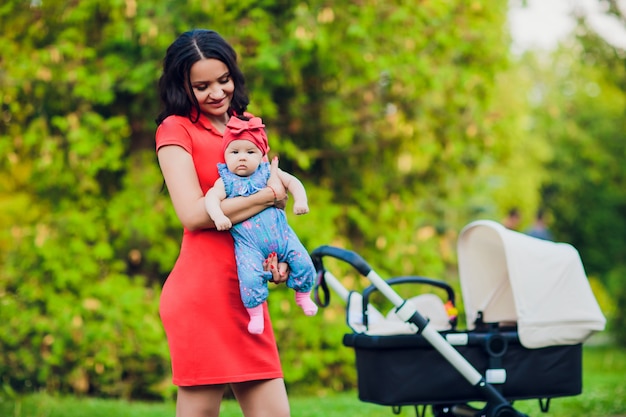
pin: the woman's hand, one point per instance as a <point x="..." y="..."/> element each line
<point x="280" y="271"/>
<point x="276" y="184"/>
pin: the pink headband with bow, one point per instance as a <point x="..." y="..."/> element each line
<point x="252" y="130"/>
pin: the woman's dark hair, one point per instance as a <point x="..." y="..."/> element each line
<point x="174" y="84"/>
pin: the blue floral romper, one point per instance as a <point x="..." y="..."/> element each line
<point x="260" y="235"/>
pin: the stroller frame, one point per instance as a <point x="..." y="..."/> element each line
<point x="496" y="405"/>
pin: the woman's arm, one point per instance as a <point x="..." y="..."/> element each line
<point x="187" y="197"/>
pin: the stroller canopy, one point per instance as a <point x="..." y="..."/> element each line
<point x="541" y="286"/>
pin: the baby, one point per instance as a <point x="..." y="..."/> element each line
<point x="245" y="172"/>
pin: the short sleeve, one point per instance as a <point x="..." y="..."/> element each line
<point x="172" y="131"/>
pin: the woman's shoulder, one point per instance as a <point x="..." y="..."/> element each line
<point x="175" y="123"/>
<point x="175" y="130"/>
<point x="175" y="119"/>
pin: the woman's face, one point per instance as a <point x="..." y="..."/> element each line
<point x="212" y="86"/>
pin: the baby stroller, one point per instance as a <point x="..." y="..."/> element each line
<point x="529" y="308"/>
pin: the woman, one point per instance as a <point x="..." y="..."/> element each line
<point x="204" y="319"/>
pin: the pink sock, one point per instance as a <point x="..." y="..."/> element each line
<point x="303" y="299"/>
<point x="256" y="324"/>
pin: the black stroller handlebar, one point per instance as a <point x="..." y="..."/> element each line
<point x="345" y="255"/>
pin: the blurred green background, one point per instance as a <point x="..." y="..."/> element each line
<point x="406" y="120"/>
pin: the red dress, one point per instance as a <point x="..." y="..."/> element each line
<point x="200" y="307"/>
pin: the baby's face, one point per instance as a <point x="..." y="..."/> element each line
<point x="242" y="157"/>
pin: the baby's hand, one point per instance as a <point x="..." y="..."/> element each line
<point x="299" y="208"/>
<point x="223" y="223"/>
<point x="275" y="182"/>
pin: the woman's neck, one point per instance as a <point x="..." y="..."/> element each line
<point x="219" y="122"/>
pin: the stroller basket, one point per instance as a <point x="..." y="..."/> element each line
<point x="406" y="370"/>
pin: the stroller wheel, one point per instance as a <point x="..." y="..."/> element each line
<point x="465" y="410"/>
<point x="442" y="411"/>
<point x="506" y="411"/>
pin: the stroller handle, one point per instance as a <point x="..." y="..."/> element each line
<point x="345" y="255"/>
<point x="321" y="293"/>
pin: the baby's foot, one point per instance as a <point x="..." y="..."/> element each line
<point x="303" y="299"/>
<point x="256" y="325"/>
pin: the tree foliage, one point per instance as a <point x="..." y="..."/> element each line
<point x="404" y="119"/>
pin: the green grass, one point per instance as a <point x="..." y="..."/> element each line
<point x="604" y="395"/>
